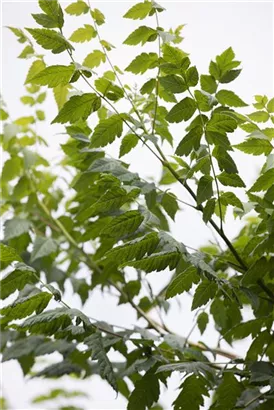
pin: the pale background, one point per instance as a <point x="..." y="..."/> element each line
<point x="211" y="28"/>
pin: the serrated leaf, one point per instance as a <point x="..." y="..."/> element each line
<point x="227" y="392"/>
<point x="148" y="87"/>
<point x="45" y="21"/>
<point x="83" y="34"/>
<point x="112" y="91"/>
<point x="50" y="40"/>
<point x="270" y="105"/>
<point x="190" y="142"/>
<point x="173" y="83"/>
<point x="182" y="111"/>
<point x="226" y="97"/>
<point x="146" y="392"/>
<point x="192" y="76"/>
<point x="204" y="292"/>
<point x="128" y="143"/>
<point x="182" y="282"/>
<point x="124" y="224"/>
<point x="139" y="11"/>
<point x="25" y="306"/>
<point x="135" y="249"/>
<point x="141" y="35"/>
<point x="98" y="16"/>
<point x="259" y="116"/>
<point x="229" y="76"/>
<point x="231" y="180"/>
<point x="95" y="342"/>
<point x="175" y="55"/>
<point x="209" y="209"/>
<point x="202" y="321"/>
<point x="53" y="76"/>
<point x="35" y="68"/>
<point x="59" y="369"/>
<point x="264" y="182"/>
<point x="53" y="10"/>
<point x="16" y="227"/>
<point x="61" y="94"/>
<point x="187" y="367"/>
<point x="170" y="204"/>
<point x="225" y="161"/>
<point x="94" y="59"/>
<point x="78" y="107"/>
<point x="17" y="279"/>
<point x="77" y="8"/>
<point x="255" y="146"/>
<point x="256" y="271"/>
<point x="142" y="63"/>
<point x="43" y="247"/>
<point x="8" y="254"/>
<point x="221" y="123"/>
<point x="191" y="396"/>
<point x="204" y="190"/>
<point x="208" y="83"/>
<point x="229" y="198"/>
<point x="156" y="262"/>
<point x="106" y="131"/>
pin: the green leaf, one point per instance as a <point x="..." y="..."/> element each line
<point x="83" y="34"/>
<point x="94" y="59"/>
<point x="226" y="97"/>
<point x="209" y="209"/>
<point x="259" y="116"/>
<point x="60" y="369"/>
<point x="146" y="392"/>
<point x="192" y="77"/>
<point x="148" y="87"/>
<point x="35" y="68"/>
<point x="50" y="40"/>
<point x="227" y="392"/>
<point x="270" y="105"/>
<point x="255" y="146"/>
<point x="264" y="182"/>
<point x="170" y="205"/>
<point x="229" y="198"/>
<point x="135" y="249"/>
<point x="78" y="107"/>
<point x="11" y="169"/>
<point x="43" y="247"/>
<point x="187" y="367"/>
<point x="53" y="76"/>
<point x="124" y="224"/>
<point x="174" y="55"/>
<point x="139" y="11"/>
<point x="231" y="180"/>
<point x="256" y="271"/>
<point x="61" y="94"/>
<point x="229" y="76"/>
<point x="221" y="123"/>
<point x="106" y="131"/>
<point x="98" y="16"/>
<point x="204" y="190"/>
<point x="95" y="342"/>
<point x="17" y="279"/>
<point x="190" y="142"/>
<point x="26" y="306"/>
<point x="45" y="21"/>
<point x="128" y="143"/>
<point x="173" y="83"/>
<point x="109" y="89"/>
<point x="191" y="396"/>
<point x="204" y="292"/>
<point x="16" y="227"/>
<point x="202" y="321"/>
<point x="225" y="161"/>
<point x="156" y="262"/>
<point x="77" y="8"/>
<point x="142" y="63"/>
<point x="141" y="35"/>
<point x="53" y="10"/>
<point x="182" y="282"/>
<point x="208" y="83"/>
<point x="8" y="254"/>
<point x="225" y="61"/>
<point x="182" y="111"/>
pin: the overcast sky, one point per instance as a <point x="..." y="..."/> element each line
<point x="211" y="28"/>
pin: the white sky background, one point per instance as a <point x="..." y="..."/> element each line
<point x="211" y="28"/>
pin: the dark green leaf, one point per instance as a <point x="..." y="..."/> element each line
<point x="182" y="282"/>
<point x="106" y="131"/>
<point x="182" y="111"/>
<point x="231" y="180"/>
<point x="204" y="292"/>
<point x="204" y="190"/>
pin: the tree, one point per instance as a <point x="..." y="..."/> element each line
<point x="108" y="219"/>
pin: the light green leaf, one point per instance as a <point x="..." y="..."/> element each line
<point x="270" y="105"/>
<point x="54" y="75"/>
<point x="139" y="11"/>
<point x="112" y="91"/>
<point x="8" y="254"/>
<point x="98" y="16"/>
<point x="142" y="63"/>
<point x="35" y="68"/>
<point x="255" y="146"/>
<point x="78" y="107"/>
<point x="204" y="292"/>
<point x="182" y="282"/>
<point x="11" y="169"/>
<point x="50" y="40"/>
<point x="148" y="87"/>
<point x="25" y="306"/>
<point x="226" y="97"/>
<point x="174" y="55"/>
<point x="259" y="116"/>
<point x="106" y="131"/>
<point x="94" y="59"/>
<point x="61" y="94"/>
<point x="17" y="279"/>
<point x="231" y="180"/>
<point x="202" y="321"/>
<point x="265" y="181"/>
<point x="141" y="35"/>
<point x="83" y="34"/>
<point x="204" y="190"/>
<point x="229" y="198"/>
<point x="16" y="227"/>
<point x="208" y="83"/>
<point x="43" y="247"/>
<point x="182" y="111"/>
<point x="77" y="8"/>
<point x="53" y="10"/>
<point x="128" y="143"/>
<point x="124" y="224"/>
